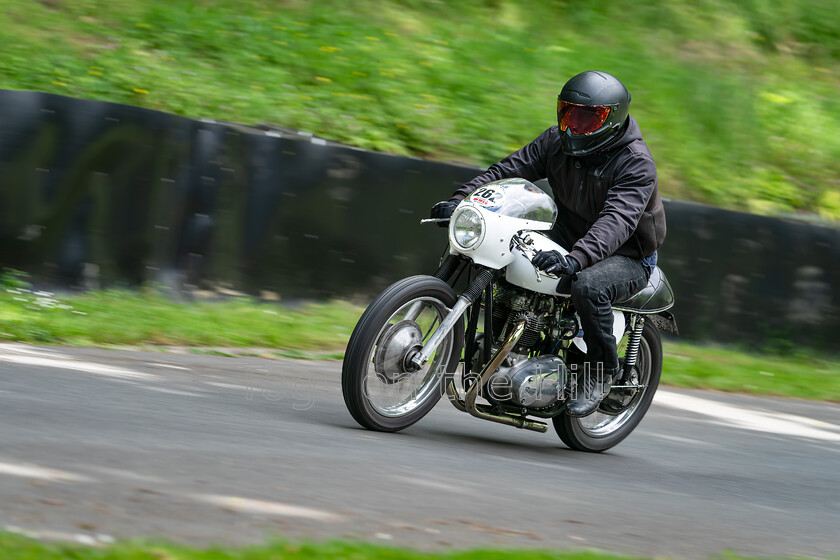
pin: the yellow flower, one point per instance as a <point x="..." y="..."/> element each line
<point x="775" y="98"/>
<point x="322" y="79"/>
<point x="327" y="49"/>
<point x="94" y="73"/>
<point x="59" y="84"/>
<point x="136" y="90"/>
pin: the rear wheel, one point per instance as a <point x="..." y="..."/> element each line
<point x="610" y="424"/>
<point x="382" y="389"/>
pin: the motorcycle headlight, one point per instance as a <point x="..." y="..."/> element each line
<point x="467" y="229"/>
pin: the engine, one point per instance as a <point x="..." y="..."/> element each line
<point x="549" y="324"/>
<point x="510" y="306"/>
<point x="533" y="375"/>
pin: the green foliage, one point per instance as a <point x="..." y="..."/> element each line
<point x="13" y="279"/>
<point x="737" y="98"/>
<point x="780" y="372"/>
<point x="14" y="547"/>
<point x="128" y="318"/>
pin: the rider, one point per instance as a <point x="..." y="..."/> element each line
<point x="609" y="212"/>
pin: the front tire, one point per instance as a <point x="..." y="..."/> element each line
<point x="381" y="390"/>
<point x="600" y="431"/>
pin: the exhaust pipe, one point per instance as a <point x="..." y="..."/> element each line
<point x="484" y="412"/>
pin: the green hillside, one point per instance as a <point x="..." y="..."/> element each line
<point x="738" y="99"/>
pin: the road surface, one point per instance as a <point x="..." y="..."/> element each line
<point x="102" y="445"/>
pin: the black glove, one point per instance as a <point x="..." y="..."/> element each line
<point x="553" y="262"/>
<point x="444" y="209"/>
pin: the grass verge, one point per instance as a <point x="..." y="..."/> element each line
<point x="733" y="370"/>
<point x="737" y="98"/>
<point x="14" y="547"/>
<point x="117" y="317"/>
<point x="321" y="331"/>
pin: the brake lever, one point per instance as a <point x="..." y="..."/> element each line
<point x="525" y="245"/>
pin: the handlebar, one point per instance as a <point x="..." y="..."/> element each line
<point x="526" y="245"/>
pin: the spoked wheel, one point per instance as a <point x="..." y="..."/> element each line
<point x="382" y="389"/>
<point x="623" y="409"/>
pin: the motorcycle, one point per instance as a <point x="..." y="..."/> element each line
<point x="419" y="340"/>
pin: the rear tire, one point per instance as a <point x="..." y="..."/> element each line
<point x="380" y="391"/>
<point x="598" y="431"/>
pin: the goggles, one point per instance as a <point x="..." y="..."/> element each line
<point x="581" y="119"/>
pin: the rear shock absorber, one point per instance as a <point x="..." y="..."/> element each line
<point x="633" y="346"/>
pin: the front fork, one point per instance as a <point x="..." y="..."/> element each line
<point x="447" y="270"/>
<point x="466" y="299"/>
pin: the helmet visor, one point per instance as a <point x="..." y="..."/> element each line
<point x="581" y="119"/>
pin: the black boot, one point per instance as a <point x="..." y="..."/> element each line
<point x="590" y="391"/>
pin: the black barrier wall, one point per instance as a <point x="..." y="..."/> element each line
<point x="100" y="194"/>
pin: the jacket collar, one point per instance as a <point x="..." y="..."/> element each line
<point x="630" y="133"/>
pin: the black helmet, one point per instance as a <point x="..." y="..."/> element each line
<point x="591" y="111"/>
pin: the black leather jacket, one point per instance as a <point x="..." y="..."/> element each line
<point x="608" y="202"/>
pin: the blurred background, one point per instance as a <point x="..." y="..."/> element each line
<point x="738" y="101"/>
<point x="241" y="178"/>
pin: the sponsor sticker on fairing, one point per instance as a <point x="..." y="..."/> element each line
<point x="489" y="197"/>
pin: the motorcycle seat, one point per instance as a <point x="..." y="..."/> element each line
<point x="655" y="297"/>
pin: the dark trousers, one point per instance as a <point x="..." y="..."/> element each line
<point x="593" y="291"/>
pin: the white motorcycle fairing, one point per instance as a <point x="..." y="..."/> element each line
<point x="492" y="248"/>
<point x="520" y="272"/>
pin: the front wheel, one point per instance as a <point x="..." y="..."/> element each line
<point x="382" y="389"/>
<point x="606" y="428"/>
